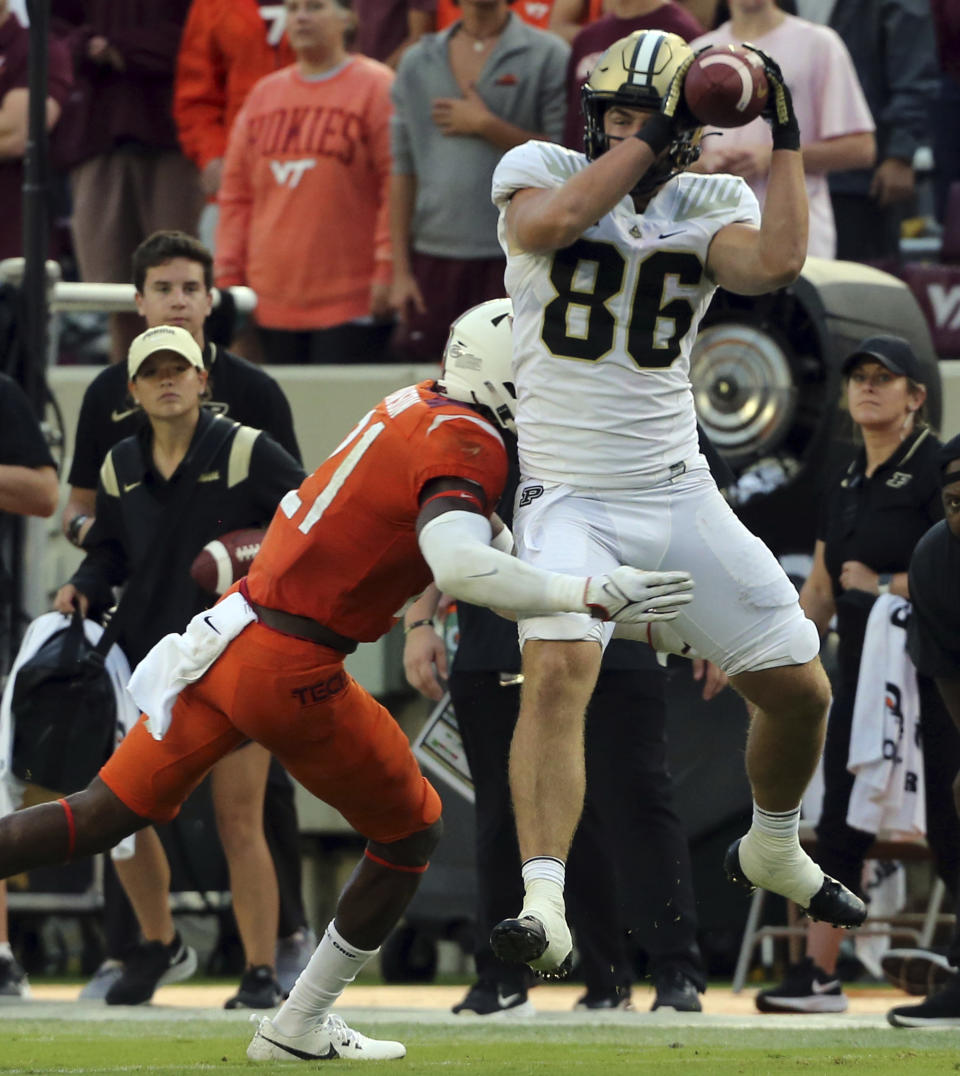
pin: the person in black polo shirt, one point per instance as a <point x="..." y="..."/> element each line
<point x="28" y="487"/>
<point x="240" y="487"/>
<point x="28" y="475"/>
<point x="933" y="639"/>
<point x="874" y="513"/>
<point x="173" y="275"/>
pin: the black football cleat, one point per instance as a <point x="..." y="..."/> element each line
<point x="524" y="941"/>
<point x="732" y="868"/>
<point x="833" y="903"/>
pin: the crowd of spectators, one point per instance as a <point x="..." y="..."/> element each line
<point x="337" y="154"/>
<point x="396" y="241"/>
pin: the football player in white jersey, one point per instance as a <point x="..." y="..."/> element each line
<point x="612" y="259"/>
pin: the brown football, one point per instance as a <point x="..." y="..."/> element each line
<point x="226" y="559"/>
<point x="726" y="86"/>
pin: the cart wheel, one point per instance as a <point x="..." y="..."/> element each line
<point x="409" y="955"/>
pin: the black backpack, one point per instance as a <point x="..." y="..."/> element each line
<point x="64" y="712"/>
<point x="63" y="705"/>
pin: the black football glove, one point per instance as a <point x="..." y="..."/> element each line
<point x="779" y="108"/>
<point x="674" y="118"/>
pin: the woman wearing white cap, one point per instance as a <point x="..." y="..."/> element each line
<point x="238" y="476"/>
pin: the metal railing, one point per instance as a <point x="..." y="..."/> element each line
<point x="82" y="297"/>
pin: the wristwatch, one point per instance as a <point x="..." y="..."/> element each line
<point x="883" y="583"/>
<point x="74" y="527"/>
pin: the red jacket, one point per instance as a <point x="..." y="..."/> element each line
<point x="227" y="46"/>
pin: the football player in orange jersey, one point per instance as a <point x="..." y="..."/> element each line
<point x="406" y="496"/>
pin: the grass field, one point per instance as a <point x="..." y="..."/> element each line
<point x="57" y="1036"/>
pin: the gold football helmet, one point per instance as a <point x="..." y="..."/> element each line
<point x="636" y="72"/>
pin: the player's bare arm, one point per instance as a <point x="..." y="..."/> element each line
<point x="542" y="220"/>
<point x="750" y="260"/>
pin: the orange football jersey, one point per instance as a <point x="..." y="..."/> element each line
<point x="343" y="549"/>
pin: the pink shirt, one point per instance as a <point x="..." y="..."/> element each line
<point x="828" y="101"/>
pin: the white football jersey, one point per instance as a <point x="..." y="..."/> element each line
<point x="603" y="328"/>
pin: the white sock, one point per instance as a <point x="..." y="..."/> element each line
<point x="771" y="856"/>
<point x="543" y="879"/>
<point x="777" y="823"/>
<point x="6" y="953"/>
<point x="333" y="966"/>
<point x="549" y="868"/>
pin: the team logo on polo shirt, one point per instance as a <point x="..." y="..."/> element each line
<point x="898" y="479"/>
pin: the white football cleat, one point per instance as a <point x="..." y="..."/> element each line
<point x="326" y="1042"/>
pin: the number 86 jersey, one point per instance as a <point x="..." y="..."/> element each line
<point x="603" y="328"/>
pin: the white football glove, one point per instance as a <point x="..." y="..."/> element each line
<point x="634" y="596"/>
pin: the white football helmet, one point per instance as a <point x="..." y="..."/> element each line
<point x="478" y="361"/>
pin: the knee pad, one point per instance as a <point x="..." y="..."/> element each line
<point x="409" y="853"/>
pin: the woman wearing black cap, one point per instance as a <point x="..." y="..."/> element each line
<point x="874" y="513"/>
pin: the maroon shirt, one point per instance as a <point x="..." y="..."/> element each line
<point x="14" y="47"/>
<point x="946" y="23"/>
<point x="382" y="24"/>
<point x="597" y="37"/>
<point x="111" y="108"/>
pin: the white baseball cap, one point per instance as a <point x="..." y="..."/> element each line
<point x="163" y="338"/>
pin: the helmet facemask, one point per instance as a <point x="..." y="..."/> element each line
<point x="636" y="72"/>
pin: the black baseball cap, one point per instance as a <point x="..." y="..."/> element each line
<point x="893" y="352"/>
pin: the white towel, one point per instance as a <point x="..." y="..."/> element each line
<point x="178" y="660"/>
<point x="886" y="756"/>
<point x="885" y="884"/>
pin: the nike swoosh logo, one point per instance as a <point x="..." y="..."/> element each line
<point x="210" y="624"/>
<point x="506" y="1002"/>
<point x="302" y="1054"/>
<point x="825" y="988"/>
<point x="127" y="486"/>
<point x="666" y="235"/>
<point x="119" y="416"/>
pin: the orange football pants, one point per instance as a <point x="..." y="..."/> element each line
<point x="296" y="699"/>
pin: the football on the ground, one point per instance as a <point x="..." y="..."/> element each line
<point x="726" y="86"/>
<point x="226" y="559"/>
